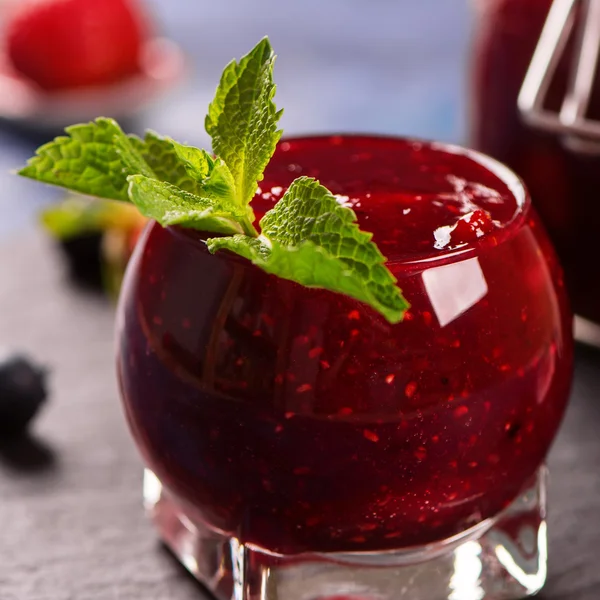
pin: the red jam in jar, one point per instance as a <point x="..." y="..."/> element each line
<point x="563" y="181"/>
<point x="298" y="419"/>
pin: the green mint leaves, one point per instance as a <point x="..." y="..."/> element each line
<point x="308" y="237"/>
<point x="242" y="118"/>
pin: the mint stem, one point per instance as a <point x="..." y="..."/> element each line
<point x="248" y="227"/>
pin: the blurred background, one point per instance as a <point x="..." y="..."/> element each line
<point x="382" y="66"/>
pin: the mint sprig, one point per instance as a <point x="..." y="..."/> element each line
<point x="308" y="237"/>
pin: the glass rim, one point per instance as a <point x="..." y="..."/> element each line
<point x="504" y="174"/>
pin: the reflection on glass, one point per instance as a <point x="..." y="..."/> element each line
<point x="454" y="288"/>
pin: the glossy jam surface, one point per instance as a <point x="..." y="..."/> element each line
<point x="563" y="182"/>
<point x="298" y="419"/>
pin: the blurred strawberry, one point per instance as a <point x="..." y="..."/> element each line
<point x="61" y="44"/>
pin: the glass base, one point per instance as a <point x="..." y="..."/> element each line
<point x="501" y="559"/>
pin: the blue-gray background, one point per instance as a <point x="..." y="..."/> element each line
<point x="381" y="66"/>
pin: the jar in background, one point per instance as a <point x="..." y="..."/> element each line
<point x="560" y="168"/>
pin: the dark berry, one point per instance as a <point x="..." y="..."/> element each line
<point x="84" y="257"/>
<point x="22" y="393"/>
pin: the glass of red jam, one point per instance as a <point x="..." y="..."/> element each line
<point x="300" y="447"/>
<point x="563" y="177"/>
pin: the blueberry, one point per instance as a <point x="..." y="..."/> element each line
<point x="84" y="258"/>
<point x="22" y="393"/>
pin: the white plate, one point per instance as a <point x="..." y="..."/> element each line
<point x="24" y="103"/>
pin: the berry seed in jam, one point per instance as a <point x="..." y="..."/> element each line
<point x="298" y="419"/>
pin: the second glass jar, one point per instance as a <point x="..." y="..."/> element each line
<point x="563" y="181"/>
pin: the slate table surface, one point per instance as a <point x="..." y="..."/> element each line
<point x="71" y="522"/>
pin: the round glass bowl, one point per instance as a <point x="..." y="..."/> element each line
<point x="294" y="427"/>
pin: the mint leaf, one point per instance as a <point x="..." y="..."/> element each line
<point x="242" y="119"/>
<point x="257" y="250"/>
<point x="189" y="168"/>
<point x="95" y="159"/>
<point x="162" y="157"/>
<point x="170" y="205"/>
<point x="215" y="182"/>
<point x="196" y="172"/>
<point x="213" y="175"/>
<point x="308" y="237"/>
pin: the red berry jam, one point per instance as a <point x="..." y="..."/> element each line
<point x="563" y="182"/>
<point x="299" y="419"/>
